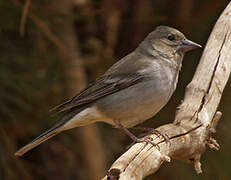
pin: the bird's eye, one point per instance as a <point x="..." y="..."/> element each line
<point x="171" y="37"/>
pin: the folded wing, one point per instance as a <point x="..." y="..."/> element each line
<point x="103" y="86"/>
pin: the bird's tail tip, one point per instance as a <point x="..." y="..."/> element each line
<point x="45" y="136"/>
<point x="18" y="153"/>
<point x="37" y="141"/>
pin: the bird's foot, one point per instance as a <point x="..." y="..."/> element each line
<point x="154" y="131"/>
<point x="146" y="139"/>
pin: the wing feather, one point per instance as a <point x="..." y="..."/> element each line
<point x="103" y="86"/>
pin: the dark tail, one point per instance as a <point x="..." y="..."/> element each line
<point x="40" y="139"/>
<point x="49" y="133"/>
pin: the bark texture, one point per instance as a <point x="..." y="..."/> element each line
<point x="196" y="118"/>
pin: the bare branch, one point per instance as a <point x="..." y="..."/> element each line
<point x="23" y="18"/>
<point x="196" y="118"/>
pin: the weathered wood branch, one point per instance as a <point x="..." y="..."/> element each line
<point x="196" y="118"/>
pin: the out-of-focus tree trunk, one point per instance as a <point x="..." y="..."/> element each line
<point x="113" y="12"/>
<point x="91" y="144"/>
<point x="183" y="17"/>
<point x="206" y="9"/>
<point x="142" y="13"/>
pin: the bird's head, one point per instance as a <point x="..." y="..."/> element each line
<point x="169" y="41"/>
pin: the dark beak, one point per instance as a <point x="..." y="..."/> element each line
<point x="187" y="45"/>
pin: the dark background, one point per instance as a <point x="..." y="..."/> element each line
<point x="50" y="49"/>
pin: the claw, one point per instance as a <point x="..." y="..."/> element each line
<point x="147" y="140"/>
<point x="156" y="132"/>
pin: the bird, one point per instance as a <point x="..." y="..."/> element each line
<point x="131" y="91"/>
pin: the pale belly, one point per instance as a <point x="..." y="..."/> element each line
<point x="137" y="103"/>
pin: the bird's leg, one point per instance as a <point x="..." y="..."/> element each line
<point x="133" y="137"/>
<point x="154" y="131"/>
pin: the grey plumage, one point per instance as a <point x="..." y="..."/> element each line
<point x="131" y="91"/>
